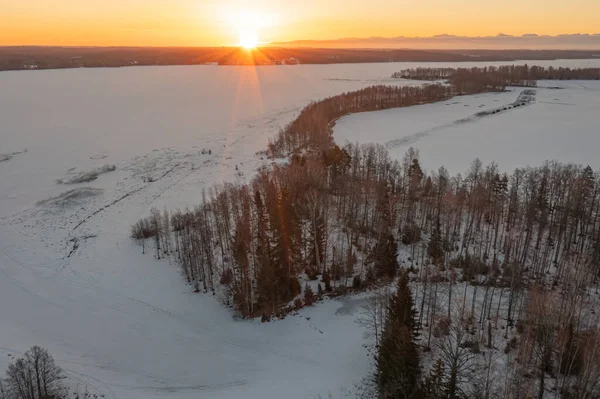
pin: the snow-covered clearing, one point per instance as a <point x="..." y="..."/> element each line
<point x="123" y="323"/>
<point x="560" y="122"/>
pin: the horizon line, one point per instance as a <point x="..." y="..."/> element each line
<point x="441" y="37"/>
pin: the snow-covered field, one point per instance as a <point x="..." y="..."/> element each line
<point x="560" y="123"/>
<point x="126" y="325"/>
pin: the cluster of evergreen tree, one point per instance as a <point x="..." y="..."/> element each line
<point x="398" y="370"/>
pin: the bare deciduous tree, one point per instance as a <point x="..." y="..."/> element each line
<point x="35" y="376"/>
<point x="455" y="352"/>
<point x="373" y="314"/>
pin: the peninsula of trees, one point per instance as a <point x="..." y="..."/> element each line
<point x="496" y="274"/>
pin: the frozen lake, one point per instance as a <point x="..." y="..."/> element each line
<point x="560" y="124"/>
<point x="65" y="117"/>
<point x="126" y="325"/>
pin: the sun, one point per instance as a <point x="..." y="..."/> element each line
<point x="248" y="25"/>
<point x="248" y="38"/>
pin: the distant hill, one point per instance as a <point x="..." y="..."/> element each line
<point x="500" y="41"/>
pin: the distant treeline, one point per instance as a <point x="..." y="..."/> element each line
<point x="17" y="58"/>
<point x="497" y="77"/>
<point x="35" y="57"/>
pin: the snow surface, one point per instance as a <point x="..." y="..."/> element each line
<point x="123" y="323"/>
<point x="559" y="124"/>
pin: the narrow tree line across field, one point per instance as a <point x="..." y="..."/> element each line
<point x="503" y="267"/>
<point x="497" y="78"/>
<point x="311" y="130"/>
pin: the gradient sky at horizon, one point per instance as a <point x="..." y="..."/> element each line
<point x="215" y="23"/>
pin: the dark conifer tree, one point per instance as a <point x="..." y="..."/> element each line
<point x="434" y="386"/>
<point x="436" y="244"/>
<point x="398" y="356"/>
<point x="316" y="241"/>
<point x="309" y="295"/>
<point x="386" y="256"/>
<point x="265" y="281"/>
<point x="397" y="363"/>
<point x="402" y="306"/>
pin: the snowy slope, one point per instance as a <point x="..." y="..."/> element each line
<point x="123" y="323"/>
<point x="559" y="124"/>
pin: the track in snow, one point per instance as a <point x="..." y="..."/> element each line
<point x="526" y="97"/>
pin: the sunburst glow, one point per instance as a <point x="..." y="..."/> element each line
<point x="248" y="25"/>
<point x="248" y="38"/>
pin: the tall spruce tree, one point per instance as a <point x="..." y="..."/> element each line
<point x="265" y="281"/>
<point x="386" y="256"/>
<point x="436" y="244"/>
<point x="398" y="356"/>
<point x="402" y="306"/>
<point x="435" y="384"/>
<point x="285" y="237"/>
<point x="317" y="242"/>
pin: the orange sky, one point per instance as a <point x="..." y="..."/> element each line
<point x="212" y="22"/>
